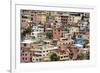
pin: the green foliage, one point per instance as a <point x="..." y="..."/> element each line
<point x="49" y="35"/>
<point x="84" y="56"/>
<point x="54" y="57"/>
<point x="80" y="56"/>
<point x="29" y="30"/>
<point x="86" y="41"/>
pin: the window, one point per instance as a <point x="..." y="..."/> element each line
<point x="61" y="57"/>
<point x="24" y="17"/>
<point x="59" y="30"/>
<point x="54" y="29"/>
<point x="36" y="59"/>
<point x="40" y="59"/>
<point x="21" y="48"/>
<point x="30" y="54"/>
<point x="32" y="33"/>
<point x="30" y="59"/>
<point x="25" y="58"/>
<point x="24" y="44"/>
<point x="65" y="56"/>
<point x="23" y="54"/>
<point x="36" y="30"/>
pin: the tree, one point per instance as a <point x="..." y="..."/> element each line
<point x="29" y="30"/>
<point x="80" y="56"/>
<point x="54" y="57"/>
<point x="84" y="56"/>
<point x="86" y="41"/>
<point x="66" y="27"/>
<point x="49" y="35"/>
<point x="26" y="31"/>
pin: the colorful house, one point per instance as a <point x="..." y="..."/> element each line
<point x="57" y="33"/>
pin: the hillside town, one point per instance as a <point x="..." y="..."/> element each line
<point x="54" y="36"/>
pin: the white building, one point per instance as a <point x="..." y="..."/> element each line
<point x="73" y="29"/>
<point x="36" y="30"/>
<point x="36" y="59"/>
<point x="83" y="25"/>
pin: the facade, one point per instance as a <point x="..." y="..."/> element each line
<point x="74" y="29"/>
<point x="66" y="35"/>
<point x="25" y="19"/>
<point x="57" y="33"/>
<point x="43" y="52"/>
<point x="41" y="18"/>
<point x="58" y="18"/>
<point x="72" y="20"/>
<point x="64" y="19"/>
<point x="62" y="47"/>
<point x="37" y="59"/>
<point x="26" y="56"/>
<point x="84" y="25"/>
<point x="64" y="55"/>
<point x="74" y="51"/>
<point x="37" y="30"/>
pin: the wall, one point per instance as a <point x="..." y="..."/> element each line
<point x="5" y="36"/>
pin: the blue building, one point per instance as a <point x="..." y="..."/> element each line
<point x="79" y="41"/>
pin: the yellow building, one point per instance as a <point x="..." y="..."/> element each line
<point x="73" y="19"/>
<point x="74" y="29"/>
<point x="41" y="18"/>
<point x="64" y="55"/>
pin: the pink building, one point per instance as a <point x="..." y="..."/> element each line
<point x="26" y="57"/>
<point x="57" y="33"/>
<point x="62" y="47"/>
<point x="74" y="52"/>
<point x="26" y="53"/>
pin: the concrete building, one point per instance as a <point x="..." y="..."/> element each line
<point x="73" y="29"/>
<point x="26" y="57"/>
<point x="37" y="30"/>
<point x="64" y="55"/>
<point x="41" y="18"/>
<point x="74" y="51"/>
<point x="58" y="18"/>
<point x="57" y="33"/>
<point x="43" y="52"/>
<point x="64" y="19"/>
<point x="84" y="25"/>
<point x="37" y="59"/>
<point x="72" y="20"/>
<point x="26" y="54"/>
